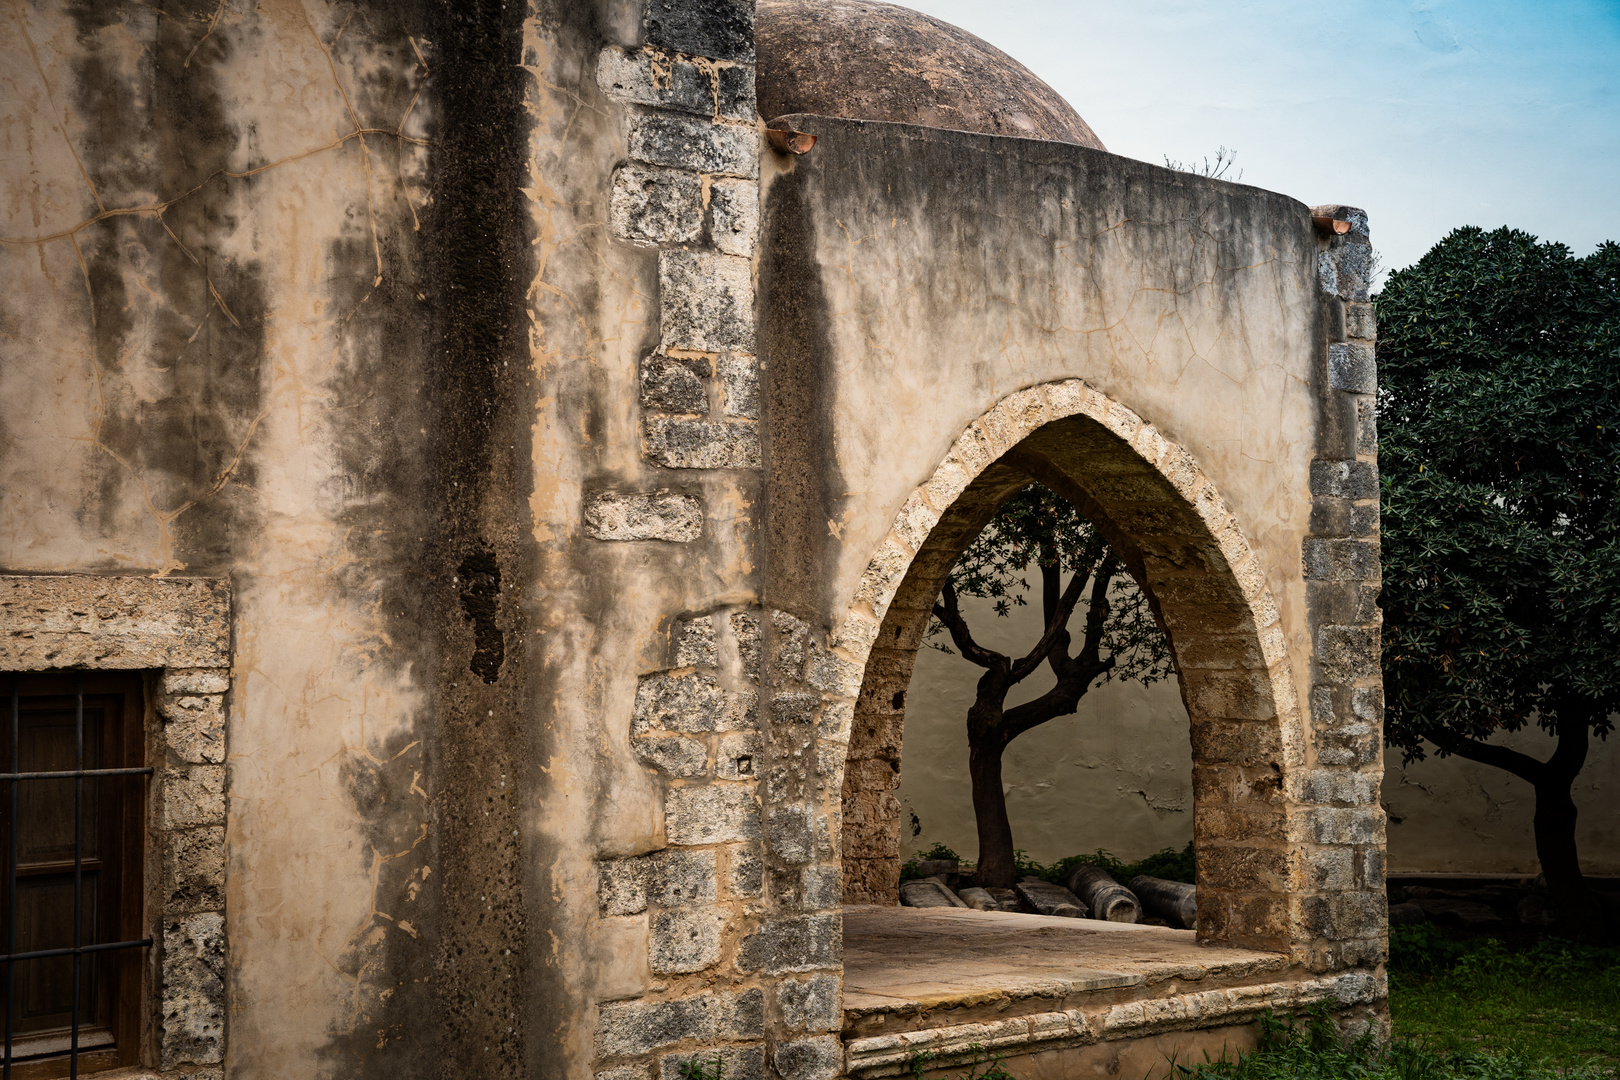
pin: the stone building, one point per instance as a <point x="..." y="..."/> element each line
<point x="473" y="475"/>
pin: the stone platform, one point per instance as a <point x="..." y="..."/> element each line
<point x="1056" y="997"/>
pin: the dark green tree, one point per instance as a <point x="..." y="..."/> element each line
<point x="1499" y="455"/>
<point x="1038" y="529"/>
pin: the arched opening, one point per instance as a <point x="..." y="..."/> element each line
<point x="1181" y="545"/>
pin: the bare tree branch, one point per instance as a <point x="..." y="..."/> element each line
<point x="949" y="614"/>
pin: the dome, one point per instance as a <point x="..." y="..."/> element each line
<point x="864" y="60"/>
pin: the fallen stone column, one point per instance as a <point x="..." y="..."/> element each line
<point x="928" y="892"/>
<point x="1106" y="898"/>
<point x="1175" y="901"/>
<point x="1049" y="899"/>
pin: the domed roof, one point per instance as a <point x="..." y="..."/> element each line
<point x="865" y="60"/>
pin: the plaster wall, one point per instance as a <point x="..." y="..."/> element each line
<point x="1117" y="775"/>
<point x="557" y="493"/>
<point x="266" y="312"/>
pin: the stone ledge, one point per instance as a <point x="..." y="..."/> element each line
<point x="890" y="1055"/>
<point x="85" y="620"/>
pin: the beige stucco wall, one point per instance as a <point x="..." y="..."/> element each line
<point x="1116" y="775"/>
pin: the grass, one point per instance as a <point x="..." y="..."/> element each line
<point x="1312" y="1049"/>
<point x="1463" y="1009"/>
<point x="1550" y="1000"/>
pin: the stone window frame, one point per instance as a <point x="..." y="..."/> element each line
<point x="178" y="630"/>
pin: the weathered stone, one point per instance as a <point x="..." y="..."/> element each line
<point x="739" y="757"/>
<point x="1345" y="479"/>
<point x="747" y="876"/>
<point x="1352" y="367"/>
<point x="711" y="815"/>
<point x="723" y="29"/>
<point x="1366" y="427"/>
<point x="1333" y="825"/>
<point x="745" y="629"/>
<point x="1106" y="898"/>
<point x="821" y="1058"/>
<point x="836" y="721"/>
<point x="193" y="1006"/>
<point x="193" y="870"/>
<point x="1334" y="559"/>
<point x="1360" y="321"/>
<point x="634" y="1027"/>
<point x="1348" y="653"/>
<point x="706" y="301"/>
<point x="820" y="887"/>
<point x="1049" y="899"/>
<point x="193" y="795"/>
<point x="690" y="703"/>
<point x="701" y="444"/>
<point x="673" y="755"/>
<point x="978" y="899"/>
<point x="667" y="878"/>
<point x="623" y="1072"/>
<point x="196" y="681"/>
<point x="734" y="1063"/>
<point x="695" y="644"/>
<point x="813" y="1004"/>
<point x="686" y="940"/>
<point x="803" y="943"/>
<point x="637" y="515"/>
<point x="791" y="833"/>
<point x="194" y="728"/>
<point x="795" y="708"/>
<point x="649" y="205"/>
<point x="81" y="620"/>
<point x="687" y="142"/>
<point x="654" y="77"/>
<point x="739" y="385"/>
<point x="827" y="671"/>
<point x="675" y="384"/>
<point x="734" y="216"/>
<point x="928" y="894"/>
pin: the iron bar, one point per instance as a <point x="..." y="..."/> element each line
<point x="73" y="773"/>
<point x="78" y="868"/>
<point x="79" y="949"/>
<point x="45" y="954"/>
<point x="11" y="877"/>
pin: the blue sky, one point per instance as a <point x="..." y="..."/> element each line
<point x="1428" y="114"/>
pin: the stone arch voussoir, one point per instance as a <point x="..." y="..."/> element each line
<point x="1183" y="543"/>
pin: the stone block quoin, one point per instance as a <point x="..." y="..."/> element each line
<point x="180" y="629"/>
<point x="730" y="975"/>
<point x="1338" y="912"/>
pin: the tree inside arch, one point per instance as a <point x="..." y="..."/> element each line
<point x="1037" y="533"/>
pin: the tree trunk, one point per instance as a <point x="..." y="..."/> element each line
<point x="1555" y="846"/>
<point x="996" y="869"/>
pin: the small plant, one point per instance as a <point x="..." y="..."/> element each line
<point x="697" y="1070"/>
<point x="938" y="851"/>
<point x="993" y="1068"/>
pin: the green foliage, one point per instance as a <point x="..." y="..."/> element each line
<point x="909" y="869"/>
<point x="1551" y="1001"/>
<point x="1312" y="1048"/>
<point x="697" y="1070"/>
<point x="1499" y="460"/>
<point x="1172" y="864"/>
<point x="992" y="1065"/>
<point x="1039" y="528"/>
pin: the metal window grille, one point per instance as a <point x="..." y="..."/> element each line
<point x="78" y="774"/>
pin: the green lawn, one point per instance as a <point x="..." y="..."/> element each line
<point x="1550" y="1000"/>
<point x="1463" y="1009"/>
